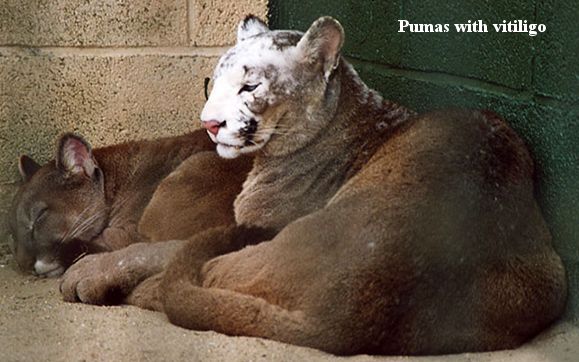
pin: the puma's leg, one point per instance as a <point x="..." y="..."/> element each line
<point x="238" y="314"/>
<point x="197" y="290"/>
<point x="191" y="306"/>
<point x="147" y="294"/>
<point x="211" y="243"/>
<point x="108" y="278"/>
<point x="520" y="298"/>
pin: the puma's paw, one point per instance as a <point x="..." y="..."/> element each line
<point x="89" y="281"/>
<point x="105" y="278"/>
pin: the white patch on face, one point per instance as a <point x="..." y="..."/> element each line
<point x="228" y="105"/>
<point x="48" y="269"/>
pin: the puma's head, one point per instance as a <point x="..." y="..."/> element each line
<point x="274" y="89"/>
<point x="59" y="208"/>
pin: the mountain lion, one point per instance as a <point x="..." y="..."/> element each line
<point x="375" y="231"/>
<point x="89" y="202"/>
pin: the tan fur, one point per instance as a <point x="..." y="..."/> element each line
<point x="392" y="234"/>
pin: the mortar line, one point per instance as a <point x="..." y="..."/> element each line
<point x="443" y="78"/>
<point x="63" y="51"/>
<point x="434" y="75"/>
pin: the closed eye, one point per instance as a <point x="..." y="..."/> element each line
<point x="248" y="88"/>
<point x="40" y="215"/>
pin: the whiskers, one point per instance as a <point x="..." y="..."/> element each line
<point x="260" y="149"/>
<point x="81" y="255"/>
<point x="286" y="131"/>
<point x="82" y="224"/>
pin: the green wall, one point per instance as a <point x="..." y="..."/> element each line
<point x="532" y="81"/>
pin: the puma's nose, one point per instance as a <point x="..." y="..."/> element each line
<point x="213" y="126"/>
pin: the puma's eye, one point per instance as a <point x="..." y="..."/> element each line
<point x="37" y="218"/>
<point x="248" y="88"/>
<point x="206" y="84"/>
<point x="41" y="214"/>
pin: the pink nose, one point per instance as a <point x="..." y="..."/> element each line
<point x="213" y="126"/>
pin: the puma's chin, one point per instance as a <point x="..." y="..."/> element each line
<point x="247" y="145"/>
<point x="228" y="151"/>
<point x="231" y="151"/>
<point x="48" y="269"/>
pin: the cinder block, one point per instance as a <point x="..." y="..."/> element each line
<point x="372" y="35"/>
<point x="557" y="63"/>
<point x="107" y="99"/>
<point x="93" y="23"/>
<point x="500" y="58"/>
<point x="214" y="22"/>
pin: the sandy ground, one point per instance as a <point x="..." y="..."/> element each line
<point x="36" y="325"/>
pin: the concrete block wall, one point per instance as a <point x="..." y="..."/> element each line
<point x="112" y="70"/>
<point x="532" y="81"/>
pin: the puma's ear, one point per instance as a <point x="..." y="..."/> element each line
<point x="250" y="26"/>
<point x="321" y="44"/>
<point x="27" y="167"/>
<point x="75" y="156"/>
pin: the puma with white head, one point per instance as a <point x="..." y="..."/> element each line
<point x="260" y="84"/>
<point x="392" y="233"/>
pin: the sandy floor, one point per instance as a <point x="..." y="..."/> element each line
<point x="35" y="325"/>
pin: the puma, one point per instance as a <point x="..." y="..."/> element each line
<point x="89" y="202"/>
<point x="361" y="228"/>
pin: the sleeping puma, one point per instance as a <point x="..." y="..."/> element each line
<point x="376" y="231"/>
<point x="87" y="202"/>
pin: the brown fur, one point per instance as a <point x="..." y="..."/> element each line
<point x="420" y="236"/>
<point x="426" y="250"/>
<point x="192" y="199"/>
<point x="124" y="181"/>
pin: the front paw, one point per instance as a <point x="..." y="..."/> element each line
<point x="108" y="278"/>
<point x="92" y="280"/>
